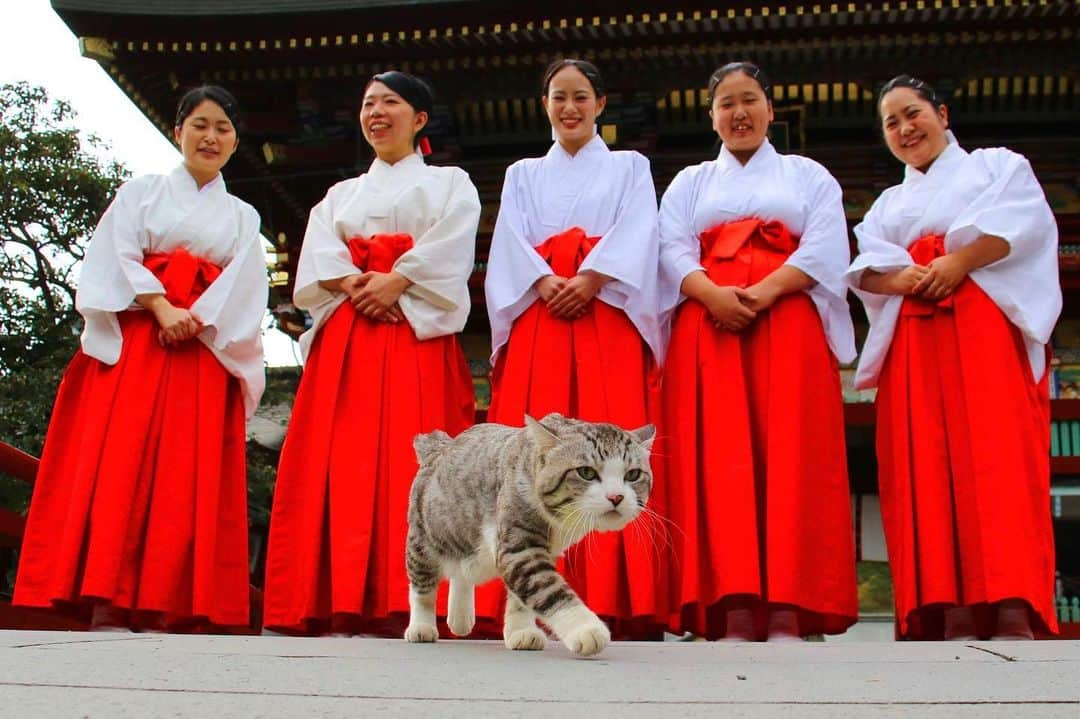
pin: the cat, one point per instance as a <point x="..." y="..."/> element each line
<point x="507" y="501"/>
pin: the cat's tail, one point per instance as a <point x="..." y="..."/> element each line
<point x="429" y="446"/>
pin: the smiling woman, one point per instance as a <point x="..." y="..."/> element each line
<point x="947" y="262"/>
<point x="383" y="271"/>
<point x="573" y="300"/>
<point x="754" y="245"/>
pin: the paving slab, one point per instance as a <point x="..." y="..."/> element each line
<point x="108" y="674"/>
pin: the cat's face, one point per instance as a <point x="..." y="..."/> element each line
<point x="593" y="475"/>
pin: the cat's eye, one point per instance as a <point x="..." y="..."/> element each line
<point x="588" y="474"/>
<point x="632" y="476"/>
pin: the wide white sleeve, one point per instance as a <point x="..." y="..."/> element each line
<point x="824" y="252"/>
<point x="323" y="256"/>
<point x="878" y="254"/>
<point x="232" y="309"/>
<point x="875" y="252"/>
<point x="680" y="247"/>
<point x="1014" y="208"/>
<point x="513" y="265"/>
<point x="441" y="260"/>
<point x="627" y="251"/>
<point x="112" y="273"/>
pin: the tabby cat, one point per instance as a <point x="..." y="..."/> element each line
<point x="507" y="501"/>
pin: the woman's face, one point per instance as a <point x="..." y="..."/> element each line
<point x="741" y="114"/>
<point x="389" y="123"/>
<point x="914" y="130"/>
<point x="572" y="107"/>
<point x="207" y="139"/>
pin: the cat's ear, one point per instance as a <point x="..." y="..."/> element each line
<point x="542" y="435"/>
<point x="644" y="436"/>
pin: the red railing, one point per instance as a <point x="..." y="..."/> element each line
<point x="19" y="465"/>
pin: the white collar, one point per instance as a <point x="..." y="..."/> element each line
<point x="182" y="178"/>
<point x="405" y="164"/>
<point x="943" y="163"/>
<point x="595" y="146"/>
<point x="761" y="156"/>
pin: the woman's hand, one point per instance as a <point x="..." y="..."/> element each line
<point x="729" y="307"/>
<point x="374" y="294"/>
<point x="177" y="324"/>
<point x="896" y="282"/>
<point x="573" y="299"/>
<point x="548" y="286"/>
<point x="944" y="274"/>
<point x="763" y="296"/>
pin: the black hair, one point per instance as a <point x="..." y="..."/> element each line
<point x="922" y="89"/>
<point x="214" y="93"/>
<point x="746" y="67"/>
<point x="586" y="68"/>
<point x="416" y="92"/>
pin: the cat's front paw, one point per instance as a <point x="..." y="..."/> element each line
<point x="589" y="639"/>
<point x="528" y="639"/>
<point x="421" y="633"/>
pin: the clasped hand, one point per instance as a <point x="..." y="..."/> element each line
<point x="568" y="298"/>
<point x="375" y="294"/>
<point x="935" y="281"/>
<point x="177" y="324"/>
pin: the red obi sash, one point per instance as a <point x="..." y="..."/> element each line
<point x="378" y="253"/>
<point x="923" y="250"/>
<point x="566" y="251"/>
<point x="184" y="276"/>
<point x="743" y="252"/>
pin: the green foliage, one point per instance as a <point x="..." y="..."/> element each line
<point x="53" y="188"/>
<point x="875" y="587"/>
<point x="281" y="384"/>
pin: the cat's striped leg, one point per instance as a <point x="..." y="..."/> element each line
<point x="529" y="572"/>
<point x="461" y="612"/>
<point x="424" y="576"/>
<point x="519" y="626"/>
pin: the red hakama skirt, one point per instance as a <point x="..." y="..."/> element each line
<point x="752" y="441"/>
<point x="336" y="555"/>
<point x="964" y="470"/>
<point x="595" y="368"/>
<point x="141" y="497"/>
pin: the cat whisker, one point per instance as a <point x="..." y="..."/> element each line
<point x="641" y="527"/>
<point x="659" y="522"/>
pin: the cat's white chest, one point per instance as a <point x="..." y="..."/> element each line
<point x="480" y="567"/>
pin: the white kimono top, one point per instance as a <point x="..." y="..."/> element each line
<point x="160" y="214"/>
<point x="437" y="206"/>
<point x="964" y="196"/>
<point x="790" y="189"/>
<point x="609" y="195"/>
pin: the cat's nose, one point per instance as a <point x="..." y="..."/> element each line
<point x="615" y="499"/>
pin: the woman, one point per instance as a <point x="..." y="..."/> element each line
<point x="383" y="272"/>
<point x="957" y="348"/>
<point x="139" y="513"/>
<point x="573" y="302"/>
<point x="752" y="433"/>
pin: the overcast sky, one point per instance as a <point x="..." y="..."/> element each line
<point x="36" y="46"/>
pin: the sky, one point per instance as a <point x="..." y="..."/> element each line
<point x="37" y="47"/>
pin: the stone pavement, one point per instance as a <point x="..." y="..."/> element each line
<point x="68" y="674"/>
